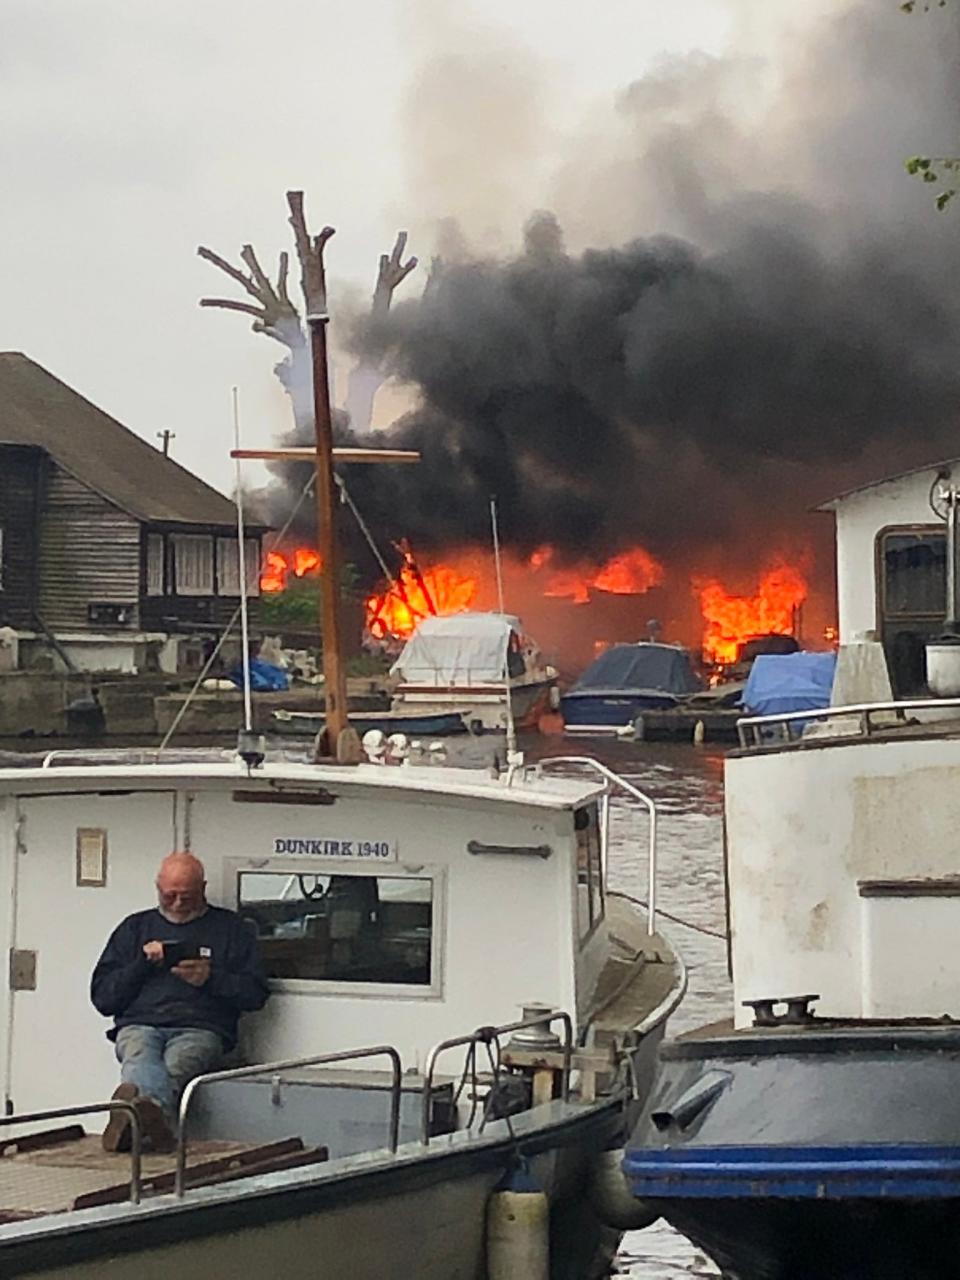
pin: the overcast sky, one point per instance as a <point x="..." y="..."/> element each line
<point x="134" y="131"/>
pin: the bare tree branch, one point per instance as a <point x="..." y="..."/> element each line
<point x="392" y="273"/>
<point x="275" y="315"/>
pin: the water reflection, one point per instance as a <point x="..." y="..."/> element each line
<point x="687" y="787"/>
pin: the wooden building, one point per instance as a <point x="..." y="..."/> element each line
<point x="106" y="545"/>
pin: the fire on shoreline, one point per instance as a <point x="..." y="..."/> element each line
<point x="730" y="620"/>
<point x="279" y="565"/>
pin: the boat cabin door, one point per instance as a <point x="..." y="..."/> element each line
<point x="911" y="600"/>
<point x="79" y="864"/>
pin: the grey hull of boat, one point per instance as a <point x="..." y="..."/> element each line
<point x="418" y="1213"/>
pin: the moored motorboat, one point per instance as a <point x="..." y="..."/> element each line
<point x="625" y="681"/>
<point x="442" y="724"/>
<point x="397" y="907"/>
<point x="469" y="664"/>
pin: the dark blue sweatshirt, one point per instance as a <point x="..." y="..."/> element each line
<point x="127" y="987"/>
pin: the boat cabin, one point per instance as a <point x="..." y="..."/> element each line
<point x="392" y="905"/>
<point x="891" y="567"/>
<point x="840" y="823"/>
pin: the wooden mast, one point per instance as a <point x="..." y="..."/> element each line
<point x="337" y="740"/>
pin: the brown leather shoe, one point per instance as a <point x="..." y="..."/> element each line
<point x="116" y="1136"/>
<point x="157" y="1134"/>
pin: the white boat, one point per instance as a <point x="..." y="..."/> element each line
<point x="398" y="907"/>
<point x="817" y="1131"/>
<point x="467" y="663"/>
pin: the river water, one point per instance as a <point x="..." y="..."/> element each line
<point x="686" y="783"/>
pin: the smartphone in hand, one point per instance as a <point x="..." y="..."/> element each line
<point x="175" y="951"/>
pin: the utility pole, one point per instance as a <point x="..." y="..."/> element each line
<point x="166" y="435"/>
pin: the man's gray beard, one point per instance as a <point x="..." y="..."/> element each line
<point x="183" y="919"/>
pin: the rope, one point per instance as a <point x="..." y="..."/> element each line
<point x="231" y="624"/>
<point x="349" y="502"/>
<point x="686" y="924"/>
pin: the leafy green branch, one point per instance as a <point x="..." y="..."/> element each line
<point x="932" y="169"/>
<point x="936" y="169"/>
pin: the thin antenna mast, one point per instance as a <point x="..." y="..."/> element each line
<point x="511" y="727"/>
<point x="241" y="561"/>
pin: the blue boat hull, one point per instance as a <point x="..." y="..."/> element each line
<point x="810" y="1240"/>
<point x="807" y="1151"/>
<point x="610" y="710"/>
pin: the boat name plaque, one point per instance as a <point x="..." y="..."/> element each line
<point x="327" y="847"/>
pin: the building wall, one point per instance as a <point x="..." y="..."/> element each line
<point x="20" y="473"/>
<point x="89" y="551"/>
<point x="859" y="519"/>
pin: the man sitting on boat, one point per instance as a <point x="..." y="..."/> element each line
<point x="175" y="979"/>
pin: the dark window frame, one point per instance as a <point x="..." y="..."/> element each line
<point x="919" y="531"/>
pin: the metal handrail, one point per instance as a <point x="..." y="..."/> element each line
<point x="266" y="1068"/>
<point x="94" y="1108"/>
<point x="750" y="728"/>
<point x="491" y="1035"/>
<point x="611" y="776"/>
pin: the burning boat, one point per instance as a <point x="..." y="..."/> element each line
<point x="625" y="681"/>
<point x="479" y="666"/>
<point x="817" y="1131"/>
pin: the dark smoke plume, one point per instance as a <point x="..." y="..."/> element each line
<point x="702" y="388"/>
<point x="587" y="391"/>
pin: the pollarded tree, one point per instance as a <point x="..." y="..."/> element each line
<point x="276" y="315"/>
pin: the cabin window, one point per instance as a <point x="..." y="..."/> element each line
<point x="193" y="565"/>
<point x="341" y="928"/>
<point x="914" y="566"/>
<point x="155" y="550"/>
<point x="228" y="566"/>
<point x="590" y="904"/>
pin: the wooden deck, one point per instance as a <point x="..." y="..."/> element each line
<point x="68" y="1169"/>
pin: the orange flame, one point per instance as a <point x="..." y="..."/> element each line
<point x="628" y="574"/>
<point x="279" y="564"/>
<point x="416" y="595"/>
<point x="731" y="620"/>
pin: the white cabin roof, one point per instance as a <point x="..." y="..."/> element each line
<point x="527" y="788"/>
<point x="947" y="465"/>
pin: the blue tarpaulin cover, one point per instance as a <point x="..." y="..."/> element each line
<point x="264" y="677"/>
<point x="640" y="666"/>
<point x="781" y="682"/>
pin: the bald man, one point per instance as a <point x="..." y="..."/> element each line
<point x="175" y="980"/>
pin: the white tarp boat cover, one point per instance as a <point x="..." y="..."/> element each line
<point x="462" y="649"/>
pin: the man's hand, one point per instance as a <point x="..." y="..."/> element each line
<point x="154" y="952"/>
<point x="196" y="972"/>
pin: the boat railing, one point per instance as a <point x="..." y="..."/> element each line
<point x="489" y="1039"/>
<point x="275" y="1069"/>
<point x="786" y="726"/>
<point x="25" y="1142"/>
<point x="612" y="778"/>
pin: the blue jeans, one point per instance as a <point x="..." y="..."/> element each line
<point x="161" y="1060"/>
